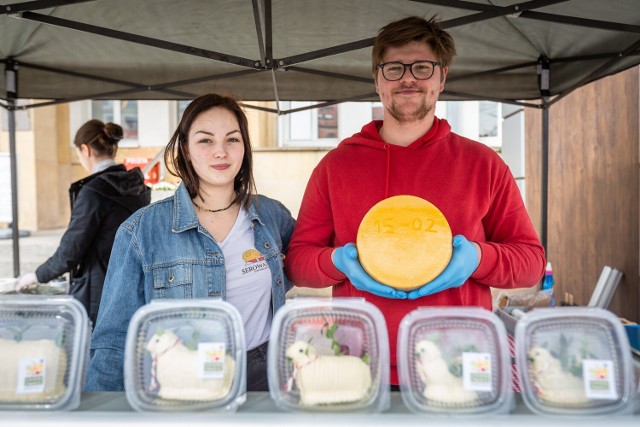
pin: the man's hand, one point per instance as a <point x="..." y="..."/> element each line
<point x="463" y="263"/>
<point x="26" y="280"/>
<point x="345" y="258"/>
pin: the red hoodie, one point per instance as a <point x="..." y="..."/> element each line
<point x="466" y="180"/>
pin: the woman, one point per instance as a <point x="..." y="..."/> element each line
<point x="99" y="204"/>
<point x="191" y="245"/>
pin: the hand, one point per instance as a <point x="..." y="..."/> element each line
<point x="345" y="258"/>
<point x="463" y="263"/>
<point x="26" y="280"/>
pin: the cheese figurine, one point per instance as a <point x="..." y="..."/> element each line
<point x="404" y="242"/>
<point x="553" y="384"/>
<point x="325" y="380"/>
<point x="175" y="371"/>
<point x="441" y="386"/>
<point x="31" y="371"/>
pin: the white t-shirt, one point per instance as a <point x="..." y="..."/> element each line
<point x="248" y="280"/>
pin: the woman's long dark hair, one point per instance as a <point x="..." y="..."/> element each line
<point x="177" y="160"/>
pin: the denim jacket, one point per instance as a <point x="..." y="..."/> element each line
<point x="162" y="251"/>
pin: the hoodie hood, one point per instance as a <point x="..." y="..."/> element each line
<point x="369" y="136"/>
<point x="125" y="188"/>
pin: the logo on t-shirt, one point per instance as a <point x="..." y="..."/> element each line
<point x="254" y="261"/>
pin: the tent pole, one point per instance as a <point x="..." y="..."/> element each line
<point x="545" y="177"/>
<point x="544" y="75"/>
<point x="11" y="78"/>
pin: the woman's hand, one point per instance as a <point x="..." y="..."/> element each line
<point x="26" y="280"/>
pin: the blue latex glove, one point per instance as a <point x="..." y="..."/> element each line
<point x="463" y="263"/>
<point x="345" y="258"/>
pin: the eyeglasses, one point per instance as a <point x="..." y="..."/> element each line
<point x="421" y="70"/>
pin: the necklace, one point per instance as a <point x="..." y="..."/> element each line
<point x="201" y="209"/>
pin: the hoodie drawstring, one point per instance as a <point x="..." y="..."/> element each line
<point x="387" y="148"/>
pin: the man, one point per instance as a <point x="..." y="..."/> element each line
<point x="414" y="153"/>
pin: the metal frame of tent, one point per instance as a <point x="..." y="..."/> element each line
<point x="262" y="14"/>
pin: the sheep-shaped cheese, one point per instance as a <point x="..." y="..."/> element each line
<point x="440" y="384"/>
<point x="324" y="380"/>
<point x="54" y="366"/>
<point x="176" y="371"/>
<point x="553" y="383"/>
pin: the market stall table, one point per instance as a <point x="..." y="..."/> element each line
<point x="112" y="409"/>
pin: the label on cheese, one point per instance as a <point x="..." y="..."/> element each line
<point x="211" y="360"/>
<point x="599" y="379"/>
<point x="476" y="371"/>
<point x="31" y="375"/>
<point x="404" y="242"/>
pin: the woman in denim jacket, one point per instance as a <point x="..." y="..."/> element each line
<point x="213" y="238"/>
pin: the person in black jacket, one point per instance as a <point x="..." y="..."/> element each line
<point x="99" y="204"/>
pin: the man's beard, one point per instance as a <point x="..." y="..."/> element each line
<point x="417" y="113"/>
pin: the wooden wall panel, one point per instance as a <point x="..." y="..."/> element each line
<point x="594" y="192"/>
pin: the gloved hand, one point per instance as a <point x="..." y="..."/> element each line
<point x="345" y="258"/>
<point x="26" y="280"/>
<point x="463" y="263"/>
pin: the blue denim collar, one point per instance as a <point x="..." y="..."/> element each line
<point x="184" y="214"/>
<point x="253" y="212"/>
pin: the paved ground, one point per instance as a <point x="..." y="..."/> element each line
<point x="34" y="250"/>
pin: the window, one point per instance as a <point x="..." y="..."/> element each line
<point x="477" y="120"/>
<point x="182" y="105"/>
<point x="489" y="117"/>
<point x="316" y="127"/>
<point x="453" y="115"/>
<point x="328" y="122"/>
<point x="124" y="113"/>
<point x="326" y="126"/>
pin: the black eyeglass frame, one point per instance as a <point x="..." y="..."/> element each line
<point x="410" y="66"/>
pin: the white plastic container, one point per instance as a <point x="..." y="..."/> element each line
<point x="185" y="355"/>
<point x="8" y="284"/>
<point x="329" y="355"/>
<point x="44" y="342"/>
<point x="454" y="361"/>
<point x="574" y="361"/>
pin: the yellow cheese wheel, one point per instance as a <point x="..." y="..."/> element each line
<point x="404" y="242"/>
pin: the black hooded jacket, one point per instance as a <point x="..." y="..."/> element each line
<point x="99" y="204"/>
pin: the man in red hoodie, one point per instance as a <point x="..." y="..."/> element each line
<point x="412" y="152"/>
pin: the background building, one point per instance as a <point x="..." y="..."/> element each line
<point x="287" y="147"/>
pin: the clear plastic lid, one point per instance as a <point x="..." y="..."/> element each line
<point x="44" y="342"/>
<point x="454" y="361"/>
<point x="185" y="355"/>
<point x="329" y="355"/>
<point x="574" y="361"/>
